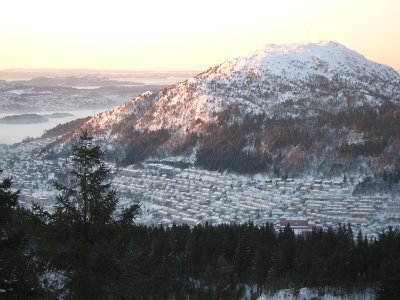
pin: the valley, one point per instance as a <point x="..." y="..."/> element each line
<point x="170" y="193"/>
<point x="307" y="133"/>
<point x="213" y="150"/>
<point x="288" y="155"/>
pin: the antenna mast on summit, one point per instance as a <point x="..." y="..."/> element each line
<point x="308" y="36"/>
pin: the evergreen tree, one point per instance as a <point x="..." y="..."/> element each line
<point x="82" y="235"/>
<point x="389" y="287"/>
<point x="262" y="263"/>
<point x="287" y="250"/>
<point x="8" y="201"/>
<point x="88" y="201"/>
<point x="19" y="270"/>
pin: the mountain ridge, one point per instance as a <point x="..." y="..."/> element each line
<point x="294" y="85"/>
<point x="209" y="100"/>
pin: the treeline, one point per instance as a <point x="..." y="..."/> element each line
<point x="119" y="261"/>
<point x="214" y="262"/>
<point x="260" y="143"/>
<point x="388" y="181"/>
<point x="139" y="145"/>
<point x="222" y="148"/>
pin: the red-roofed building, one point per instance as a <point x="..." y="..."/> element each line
<point x="298" y="224"/>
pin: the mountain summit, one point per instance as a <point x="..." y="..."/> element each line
<point x="325" y="76"/>
<point x="300" y="61"/>
<point x="275" y="104"/>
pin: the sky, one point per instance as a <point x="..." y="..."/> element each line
<point x="186" y="35"/>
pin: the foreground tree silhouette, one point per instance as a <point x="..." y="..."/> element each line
<point x="19" y="271"/>
<point x="8" y="201"/>
<point x="89" y="201"/>
<point x="82" y="234"/>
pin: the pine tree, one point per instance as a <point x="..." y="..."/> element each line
<point x="389" y="287"/>
<point x="8" y="201"/>
<point x="89" y="201"/>
<point x="81" y="238"/>
<point x="262" y="263"/>
<point x="19" y="271"/>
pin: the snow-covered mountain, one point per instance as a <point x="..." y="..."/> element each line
<point x="296" y="85"/>
<point x="324" y="76"/>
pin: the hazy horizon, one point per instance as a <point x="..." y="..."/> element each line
<point x="134" y="75"/>
<point x="177" y="35"/>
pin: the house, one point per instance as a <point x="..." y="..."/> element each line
<point x="299" y="225"/>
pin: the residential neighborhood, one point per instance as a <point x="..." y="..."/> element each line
<point x="170" y="195"/>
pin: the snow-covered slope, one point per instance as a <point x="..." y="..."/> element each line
<point x="294" y="107"/>
<point x="325" y="76"/>
<point x="298" y="62"/>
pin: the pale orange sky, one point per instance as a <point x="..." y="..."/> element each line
<point x="186" y="35"/>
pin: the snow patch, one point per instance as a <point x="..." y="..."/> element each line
<point x="354" y="138"/>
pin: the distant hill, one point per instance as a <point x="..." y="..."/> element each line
<point x="49" y="95"/>
<point x="74" y="81"/>
<point x="286" y="109"/>
<point x="32" y="90"/>
<point x="57" y="115"/>
<point x="23" y="119"/>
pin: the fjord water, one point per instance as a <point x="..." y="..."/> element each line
<point x="14" y="133"/>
